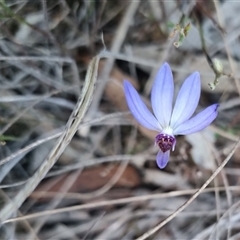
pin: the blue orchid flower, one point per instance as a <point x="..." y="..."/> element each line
<point x="167" y="120"/>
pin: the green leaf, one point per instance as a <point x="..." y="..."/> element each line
<point x="7" y="138"/>
<point x="170" y="25"/>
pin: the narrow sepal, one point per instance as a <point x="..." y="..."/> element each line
<point x="198" y="122"/>
<point x="162" y="95"/>
<point x="139" y="109"/>
<point x="187" y="100"/>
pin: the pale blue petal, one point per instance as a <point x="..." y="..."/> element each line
<point x="187" y="100"/>
<point x="162" y="159"/>
<point x="198" y="122"/>
<point x="162" y="95"/>
<point x="138" y="108"/>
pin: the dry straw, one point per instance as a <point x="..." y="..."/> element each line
<point x="63" y="141"/>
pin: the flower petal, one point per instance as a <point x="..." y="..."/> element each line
<point x="187" y="100"/>
<point x="162" y="95"/>
<point x="162" y="159"/>
<point x="198" y="122"/>
<point x="138" y="108"/>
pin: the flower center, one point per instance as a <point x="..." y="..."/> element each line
<point x="165" y="141"/>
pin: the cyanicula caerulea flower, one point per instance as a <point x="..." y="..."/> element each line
<point x="167" y="120"/>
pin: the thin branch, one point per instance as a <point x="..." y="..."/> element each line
<point x="187" y="203"/>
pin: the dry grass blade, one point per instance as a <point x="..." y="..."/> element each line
<point x="227" y="48"/>
<point x="46" y="139"/>
<point x="71" y="128"/>
<point x="197" y="193"/>
<point x="117" y="43"/>
<point x="120" y="201"/>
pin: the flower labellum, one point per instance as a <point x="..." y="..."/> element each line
<point x="167" y="120"/>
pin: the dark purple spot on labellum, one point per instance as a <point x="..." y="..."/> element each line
<point x="165" y="142"/>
